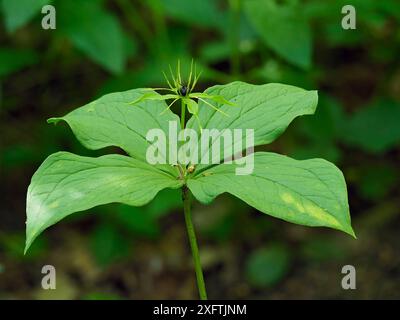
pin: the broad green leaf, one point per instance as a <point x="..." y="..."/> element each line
<point x="95" y="32"/>
<point x="19" y="12"/>
<point x="283" y="28"/>
<point x="66" y="183"/>
<point x="374" y="128"/>
<point x="12" y="60"/>
<point x="268" y="109"/>
<point x="113" y="121"/>
<point x="310" y="192"/>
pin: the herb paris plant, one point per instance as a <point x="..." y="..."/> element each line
<point x="184" y="92"/>
<point x="311" y="192"/>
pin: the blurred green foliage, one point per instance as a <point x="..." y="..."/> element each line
<point x="14" y="60"/>
<point x="267" y="266"/>
<point x="291" y="40"/>
<point x="98" y="34"/>
<point x="358" y="130"/>
<point x="18" y="13"/>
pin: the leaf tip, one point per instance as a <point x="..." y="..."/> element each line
<point x="28" y="243"/>
<point x="54" y="120"/>
<point x="352" y="233"/>
<point x="31" y="235"/>
<point x="315" y="98"/>
<point x="349" y="230"/>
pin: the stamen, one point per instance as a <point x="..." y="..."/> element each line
<point x="172" y="76"/>
<point x="178" y="71"/>
<point x="214" y="107"/>
<point x="190" y="74"/>
<point x="169" y="106"/>
<point x="196" y="78"/>
<point x="166" y="79"/>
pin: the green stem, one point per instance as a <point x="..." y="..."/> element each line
<point x="187" y="202"/>
<point x="183" y="109"/>
<point x="186" y="196"/>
